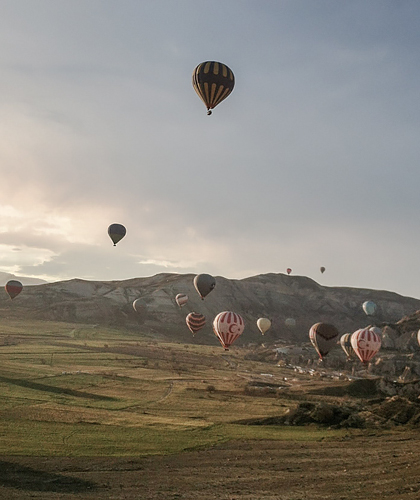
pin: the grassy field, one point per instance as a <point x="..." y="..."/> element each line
<point x="89" y="412"/>
<point x="74" y="390"/>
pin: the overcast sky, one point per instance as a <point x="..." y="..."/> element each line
<point x="313" y="160"/>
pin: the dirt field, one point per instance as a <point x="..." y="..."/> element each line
<point x="369" y="466"/>
<point x="66" y="397"/>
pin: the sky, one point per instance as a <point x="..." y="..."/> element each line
<point x="313" y="160"/>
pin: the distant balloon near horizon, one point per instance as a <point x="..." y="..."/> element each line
<point x="322" y="269"/>
<point x="195" y="322"/>
<point x="13" y="288"/>
<point x="204" y="284"/>
<point x="369" y="307"/>
<point x="323" y="337"/>
<point x="263" y="324"/>
<point x="213" y="81"/>
<point x="366" y="344"/>
<point x="181" y="299"/>
<point x="139" y="305"/>
<point x="116" y="232"/>
<point x="227" y="327"/>
<point x="288" y="270"/>
<point x="345" y="342"/>
<point x="291" y="322"/>
<point x="377" y="330"/>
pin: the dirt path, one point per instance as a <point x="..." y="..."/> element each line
<point x="366" y="467"/>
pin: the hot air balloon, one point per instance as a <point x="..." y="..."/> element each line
<point x="204" y="284"/>
<point x="290" y="322"/>
<point x="377" y="330"/>
<point x="365" y="344"/>
<point x="195" y="322"/>
<point x="139" y="305"/>
<point x="345" y="342"/>
<point x="369" y="307"/>
<point x="181" y="299"/>
<point x="288" y="270"/>
<point x="213" y="82"/>
<point x="263" y="324"/>
<point x="322" y="269"/>
<point x="228" y="326"/>
<point x="323" y="337"/>
<point x="13" y="288"/>
<point x="116" y="232"/>
<point x="418" y="337"/>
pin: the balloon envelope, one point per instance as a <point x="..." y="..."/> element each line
<point x="181" y="299"/>
<point x="288" y="270"/>
<point x="228" y="326"/>
<point x="213" y="81"/>
<point x="263" y="324"/>
<point x="365" y="344"/>
<point x="322" y="269"/>
<point x="345" y="342"/>
<point x="377" y="330"/>
<point x="116" y="232"/>
<point x="195" y="322"/>
<point x="323" y="337"/>
<point x="369" y="307"/>
<point x="13" y="288"/>
<point x="290" y="322"/>
<point x="204" y="284"/>
<point x="139" y="305"/>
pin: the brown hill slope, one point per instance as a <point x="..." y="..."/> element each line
<point x="276" y="296"/>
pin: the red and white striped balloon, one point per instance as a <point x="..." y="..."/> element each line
<point x="366" y="343"/>
<point x="195" y="322"/>
<point x="228" y="326"/>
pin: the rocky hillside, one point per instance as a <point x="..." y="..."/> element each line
<point x="276" y="296"/>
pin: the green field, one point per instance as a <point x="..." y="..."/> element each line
<point x="74" y="390"/>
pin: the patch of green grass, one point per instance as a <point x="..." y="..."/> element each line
<point x="34" y="438"/>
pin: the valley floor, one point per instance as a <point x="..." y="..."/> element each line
<point x="370" y="465"/>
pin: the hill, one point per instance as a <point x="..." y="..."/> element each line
<point x="5" y="277"/>
<point x="276" y="296"/>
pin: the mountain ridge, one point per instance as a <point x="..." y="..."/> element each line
<point x="273" y="295"/>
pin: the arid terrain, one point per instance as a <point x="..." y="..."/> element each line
<point x="92" y="412"/>
<point x="363" y="466"/>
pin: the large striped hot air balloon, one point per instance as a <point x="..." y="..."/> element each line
<point x="213" y="82"/>
<point x="366" y="343"/>
<point x="116" y="232"/>
<point x="13" y="288"/>
<point x="195" y="322"/>
<point x="181" y="299"/>
<point x="323" y="337"/>
<point x="228" y="326"/>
